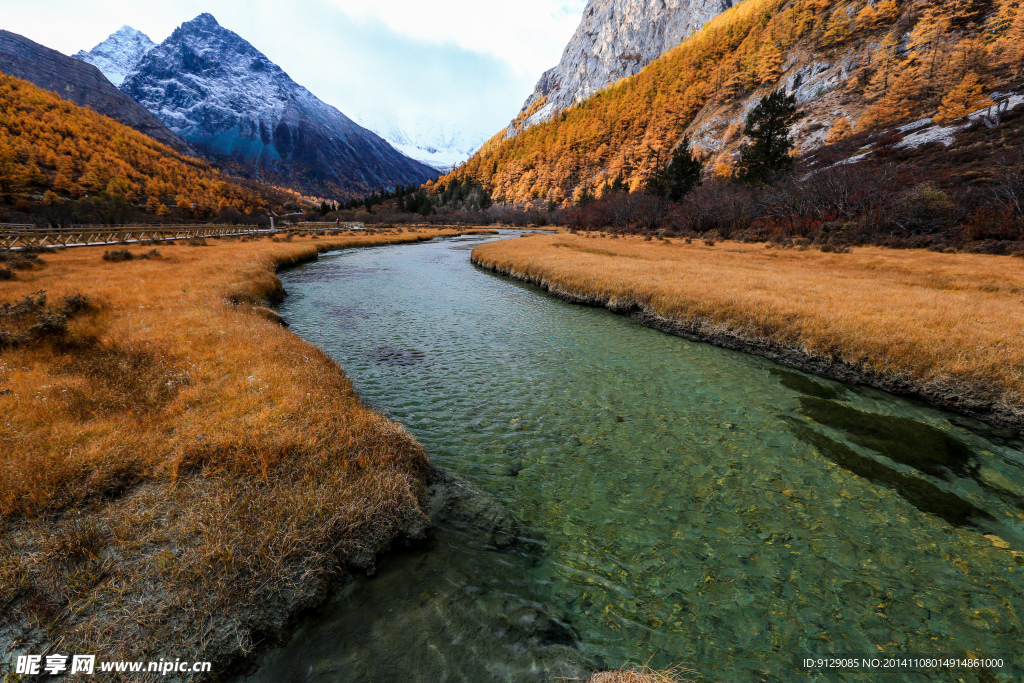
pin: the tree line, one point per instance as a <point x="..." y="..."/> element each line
<point x="61" y="159"/>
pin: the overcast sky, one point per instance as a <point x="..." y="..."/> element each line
<point x="467" y="62"/>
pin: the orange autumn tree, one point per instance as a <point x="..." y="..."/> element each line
<point x="840" y="130"/>
<point x="965" y="98"/>
<point x="898" y="102"/>
<point x="1008" y="49"/>
<point x="619" y="132"/>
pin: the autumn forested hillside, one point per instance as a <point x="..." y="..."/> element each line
<point x="855" y="66"/>
<point x="74" y="164"/>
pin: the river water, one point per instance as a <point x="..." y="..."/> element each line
<point x="655" y="500"/>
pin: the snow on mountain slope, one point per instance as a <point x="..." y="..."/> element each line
<point x="118" y="55"/>
<point x="228" y="99"/>
<point x="434" y="143"/>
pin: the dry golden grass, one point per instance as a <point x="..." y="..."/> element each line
<point x="641" y="674"/>
<point x="178" y="472"/>
<point x="948" y="327"/>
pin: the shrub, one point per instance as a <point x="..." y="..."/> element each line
<point x="31" y="320"/>
<point x="22" y="259"/>
<point x="6" y="274"/>
<point x="715" y="206"/>
<point x="198" y="242"/>
<point x="923" y="209"/>
<point x="118" y="255"/>
<point x="835" y="248"/>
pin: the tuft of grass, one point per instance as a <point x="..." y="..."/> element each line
<point x="642" y="674"/>
<point x="21" y="259"/>
<point x="943" y="326"/>
<point x="118" y="255"/>
<point x="122" y="255"/>
<point x="77" y="543"/>
<point x="31" y="321"/>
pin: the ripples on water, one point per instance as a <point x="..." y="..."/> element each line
<point x="674" y="502"/>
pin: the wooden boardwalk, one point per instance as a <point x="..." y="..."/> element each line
<point x="18" y="236"/>
<point x="325" y="227"/>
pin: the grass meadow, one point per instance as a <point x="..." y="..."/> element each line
<point x="179" y="472"/>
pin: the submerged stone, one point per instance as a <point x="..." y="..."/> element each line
<point x="923" y="494"/>
<point x="804" y="385"/>
<point x="904" y="440"/>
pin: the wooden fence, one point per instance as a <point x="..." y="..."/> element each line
<point x="16" y="236"/>
<point x="327" y="227"/>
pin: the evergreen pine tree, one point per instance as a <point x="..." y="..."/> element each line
<point x="586" y="196"/>
<point x="680" y="176"/>
<point x="485" y="200"/>
<point x="768" y="127"/>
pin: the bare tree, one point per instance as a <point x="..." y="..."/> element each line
<point x="1008" y="188"/>
<point x="993" y="116"/>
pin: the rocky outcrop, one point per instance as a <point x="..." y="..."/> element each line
<point x="616" y="39"/>
<point x="118" y="55"/>
<point x="80" y="83"/>
<point x="230" y="101"/>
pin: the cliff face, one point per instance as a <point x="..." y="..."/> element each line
<point x="907" y="78"/>
<point x="617" y="38"/>
<point x="229" y="100"/>
<point x="80" y="83"/>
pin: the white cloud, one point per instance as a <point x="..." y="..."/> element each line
<point x="464" y="64"/>
<point x="528" y="34"/>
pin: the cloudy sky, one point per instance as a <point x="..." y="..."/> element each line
<point x="468" y="63"/>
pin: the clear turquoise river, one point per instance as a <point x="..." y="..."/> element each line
<point x="670" y="502"/>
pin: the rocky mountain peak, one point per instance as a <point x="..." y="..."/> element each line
<point x="118" y="55"/>
<point x="616" y="39"/>
<point x="204" y="20"/>
<point x="228" y="99"/>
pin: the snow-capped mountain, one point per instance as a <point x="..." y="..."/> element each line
<point x="229" y="100"/>
<point x="434" y="143"/>
<point x="118" y="55"/>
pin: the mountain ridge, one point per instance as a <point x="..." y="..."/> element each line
<point x="81" y="83"/>
<point x="229" y="100"/>
<point x="433" y="143"/>
<point x="855" y="69"/>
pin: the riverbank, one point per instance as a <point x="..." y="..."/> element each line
<point x="182" y="475"/>
<point x="944" y="328"/>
